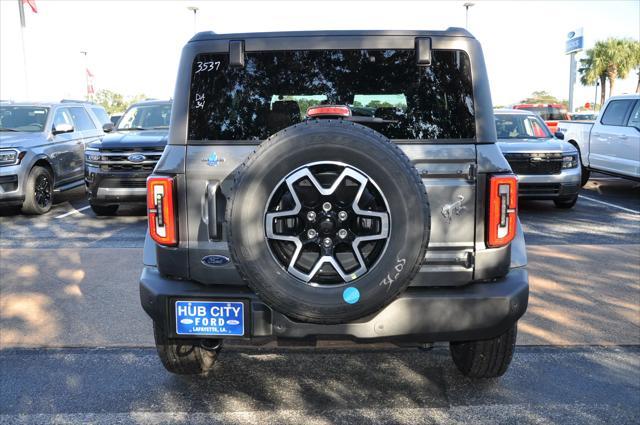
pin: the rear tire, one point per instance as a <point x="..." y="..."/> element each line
<point x="184" y="359"/>
<point x="566" y="203"/>
<point x="487" y="358"/>
<point x="104" y="209"/>
<point x="38" y="191"/>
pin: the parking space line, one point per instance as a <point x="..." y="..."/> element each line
<point x="73" y="211"/>
<point x="610" y="205"/>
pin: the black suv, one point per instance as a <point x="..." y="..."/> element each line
<point x="116" y="168"/>
<point x="332" y="185"/>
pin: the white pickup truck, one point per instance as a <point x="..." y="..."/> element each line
<point x="611" y="144"/>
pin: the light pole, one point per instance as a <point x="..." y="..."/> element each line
<point x="466" y="14"/>
<point x="195" y="14"/>
<point x="595" y="99"/>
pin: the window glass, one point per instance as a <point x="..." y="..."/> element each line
<point x="146" y="116"/>
<point x="101" y="114"/>
<point x="82" y="119"/>
<point x="634" y="120"/>
<point x="63" y="116"/>
<point x="23" y="118"/>
<point x="385" y="90"/>
<point x="548" y="113"/>
<point x="521" y="126"/>
<point x="616" y="112"/>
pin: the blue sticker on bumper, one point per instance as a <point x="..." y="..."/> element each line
<point x="211" y="318"/>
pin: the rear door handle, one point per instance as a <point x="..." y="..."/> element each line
<point x="212" y="213"/>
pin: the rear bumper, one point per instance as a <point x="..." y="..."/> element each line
<point x="475" y="311"/>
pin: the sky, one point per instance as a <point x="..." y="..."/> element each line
<point x="134" y="47"/>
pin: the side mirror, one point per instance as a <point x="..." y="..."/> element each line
<point x="62" y="128"/>
<point x="559" y="135"/>
<point x="108" y="127"/>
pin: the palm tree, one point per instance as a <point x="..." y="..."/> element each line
<point x="592" y="68"/>
<point x="635" y="59"/>
<point x="617" y="55"/>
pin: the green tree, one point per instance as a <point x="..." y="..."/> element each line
<point x="542" y="96"/>
<point x="635" y="60"/>
<point x="592" y="68"/>
<point x="612" y="58"/>
<point x="114" y="102"/>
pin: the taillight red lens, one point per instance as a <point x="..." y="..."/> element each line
<point x="161" y="210"/>
<point x="339" y="111"/>
<point x="503" y="209"/>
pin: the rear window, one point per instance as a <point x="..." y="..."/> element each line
<point x="385" y="90"/>
<point x="616" y="112"/>
<point x="549" y="113"/>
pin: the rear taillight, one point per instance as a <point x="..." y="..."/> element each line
<point x="161" y="210"/>
<point x="503" y="209"/>
<point x="328" y="110"/>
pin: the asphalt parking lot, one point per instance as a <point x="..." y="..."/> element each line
<point x="75" y="345"/>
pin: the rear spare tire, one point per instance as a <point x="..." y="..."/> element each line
<point x="328" y="221"/>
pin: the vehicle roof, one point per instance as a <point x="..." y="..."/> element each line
<point x="51" y="104"/>
<point x="152" y="102"/>
<point x="625" y="96"/>
<point x="504" y="111"/>
<point x="529" y="105"/>
<point x="449" y="32"/>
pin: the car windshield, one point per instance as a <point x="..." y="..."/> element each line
<point x="146" y="117"/>
<point x="521" y="126"/>
<point x="23" y="118"/>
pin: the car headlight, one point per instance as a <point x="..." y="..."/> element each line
<point x="570" y="161"/>
<point x="10" y="157"/>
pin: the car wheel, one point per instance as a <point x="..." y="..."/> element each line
<point x="566" y="203"/>
<point x="487" y="358"/>
<point x="330" y="232"/>
<point x="104" y="209"/>
<point x="38" y="191"/>
<point x="185" y="359"/>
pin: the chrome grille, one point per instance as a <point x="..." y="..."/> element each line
<point x="120" y="159"/>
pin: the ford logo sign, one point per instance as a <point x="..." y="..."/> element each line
<point x="136" y="157"/>
<point x="571" y="34"/>
<point x="215" y="260"/>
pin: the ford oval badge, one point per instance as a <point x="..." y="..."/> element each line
<point x="215" y="260"/>
<point x="136" y="157"/>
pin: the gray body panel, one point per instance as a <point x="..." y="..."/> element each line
<point x="63" y="153"/>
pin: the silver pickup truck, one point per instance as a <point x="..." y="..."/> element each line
<point x="42" y="150"/>
<point x="547" y="167"/>
<point x="611" y="144"/>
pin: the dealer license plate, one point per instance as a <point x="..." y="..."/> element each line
<point x="209" y="318"/>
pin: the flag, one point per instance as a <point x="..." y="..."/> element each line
<point x="90" y="89"/>
<point x="32" y="5"/>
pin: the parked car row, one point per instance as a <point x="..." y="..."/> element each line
<point x="53" y="147"/>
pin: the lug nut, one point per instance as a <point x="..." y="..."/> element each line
<point x="311" y="216"/>
<point x="327" y="242"/>
<point x="342" y="215"/>
<point x="326" y="206"/>
<point x="342" y="233"/>
<point x="311" y="233"/>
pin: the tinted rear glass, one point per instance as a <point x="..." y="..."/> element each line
<point x="616" y="112"/>
<point x="384" y="88"/>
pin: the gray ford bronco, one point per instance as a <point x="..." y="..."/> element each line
<point x="334" y="185"/>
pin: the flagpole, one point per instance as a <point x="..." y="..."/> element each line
<point x="24" y="50"/>
<point x="86" y="73"/>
